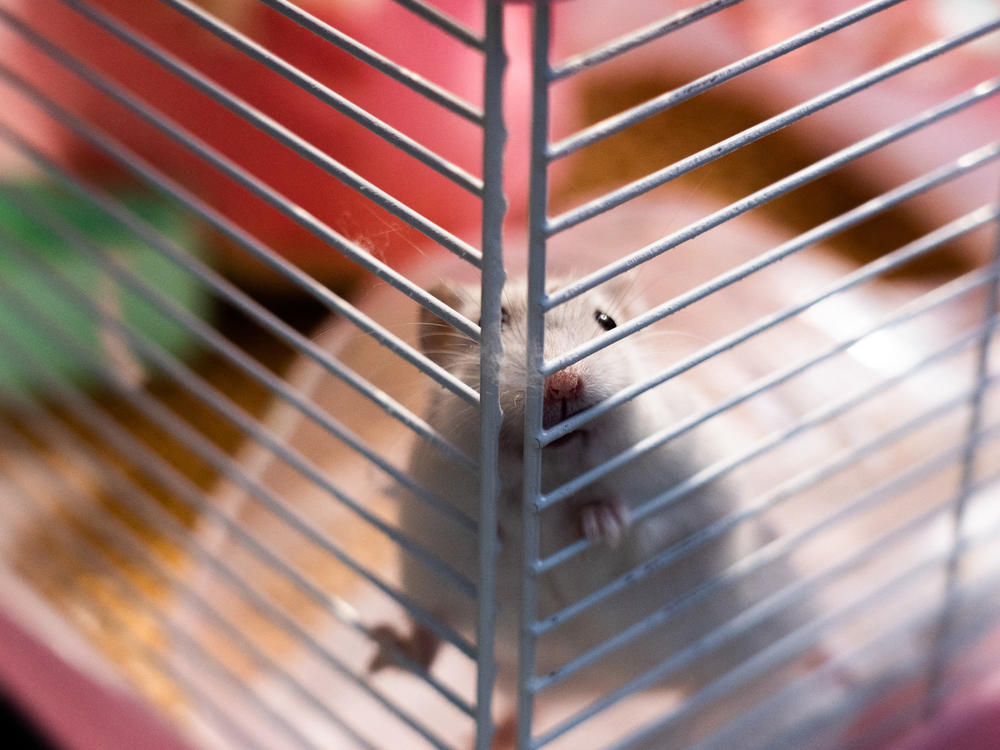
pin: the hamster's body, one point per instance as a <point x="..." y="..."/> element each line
<point x="601" y="511"/>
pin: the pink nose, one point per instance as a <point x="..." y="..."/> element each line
<point x="564" y="385"/>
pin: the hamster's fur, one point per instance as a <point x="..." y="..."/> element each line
<point x="600" y="511"/>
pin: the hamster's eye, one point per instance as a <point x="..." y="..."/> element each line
<point x="504" y="318"/>
<point x="604" y="320"/>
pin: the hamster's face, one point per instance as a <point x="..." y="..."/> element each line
<point x="567" y="327"/>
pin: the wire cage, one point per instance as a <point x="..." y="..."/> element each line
<point x="403" y="374"/>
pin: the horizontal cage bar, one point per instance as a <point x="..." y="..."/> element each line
<point x="971" y="221"/>
<point x="211" y="396"/>
<point x="151" y="511"/>
<point x="810" y="421"/>
<point x="920" y="306"/>
<point x="181" y="489"/>
<point x="418" y="83"/>
<point x="113" y="528"/>
<point x="767" y="553"/>
<point x="228" y="468"/>
<point x="628" y="42"/>
<point x="138" y="165"/>
<point x="239" y="299"/>
<point x="824" y="166"/>
<point x="81" y="549"/>
<point x="617" y="123"/>
<point x="764" y="660"/>
<point x="771" y="125"/>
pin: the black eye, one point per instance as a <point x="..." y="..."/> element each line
<point x="504" y="318"/>
<point x="604" y="320"/>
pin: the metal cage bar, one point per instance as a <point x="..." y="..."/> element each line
<point x="78" y="542"/>
<point x="70" y="414"/>
<point x="771" y="125"/>
<point x="534" y="360"/>
<point x="811" y="420"/>
<point x="442" y="21"/>
<point x="491" y="351"/>
<point x="909" y="311"/>
<point x="636" y="39"/>
<point x="135" y="163"/>
<point x="783" y="492"/>
<point x="296" y="144"/>
<point x="867" y="210"/>
<point x="542" y="227"/>
<point x="912" y="623"/>
<point x="982" y="376"/>
<point x="793" y="181"/>
<point x="226" y="290"/>
<point x="801" y="589"/>
<point x="617" y="123"/>
<point x="490" y="260"/>
<point x="212" y="455"/>
<point x="862" y="697"/>
<point x="114" y="531"/>
<point x="293" y="211"/>
<point x="167" y="476"/>
<point x="408" y="78"/>
<point x="145" y="506"/>
<point x="745" y="566"/>
<point x="209" y="395"/>
<point x="982" y="216"/>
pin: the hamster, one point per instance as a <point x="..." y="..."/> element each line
<point x="602" y="512"/>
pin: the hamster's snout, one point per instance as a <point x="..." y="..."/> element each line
<point x="565" y="385"/>
<point x="565" y="395"/>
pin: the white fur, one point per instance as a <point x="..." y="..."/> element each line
<point x="603" y="374"/>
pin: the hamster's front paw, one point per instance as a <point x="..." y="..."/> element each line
<point x="406" y="652"/>
<point x="604" y="521"/>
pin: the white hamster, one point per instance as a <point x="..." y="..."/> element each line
<point x="600" y="511"/>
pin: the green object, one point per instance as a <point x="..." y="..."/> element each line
<point x="33" y="283"/>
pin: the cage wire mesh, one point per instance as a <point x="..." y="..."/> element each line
<point x="400" y="374"/>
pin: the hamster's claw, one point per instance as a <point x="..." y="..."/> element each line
<point x="418" y="649"/>
<point x="604" y="521"/>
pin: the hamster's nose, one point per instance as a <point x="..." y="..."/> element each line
<point x="564" y="385"/>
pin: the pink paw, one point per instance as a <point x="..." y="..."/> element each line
<point x="604" y="521"/>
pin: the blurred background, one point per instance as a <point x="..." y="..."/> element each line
<point x="86" y="180"/>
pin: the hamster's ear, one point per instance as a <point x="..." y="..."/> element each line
<point x="437" y="338"/>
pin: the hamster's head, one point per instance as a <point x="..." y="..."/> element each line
<point x="568" y="326"/>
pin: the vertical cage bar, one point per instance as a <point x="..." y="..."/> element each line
<point x="937" y="663"/>
<point x="493" y="275"/>
<point x="535" y="362"/>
